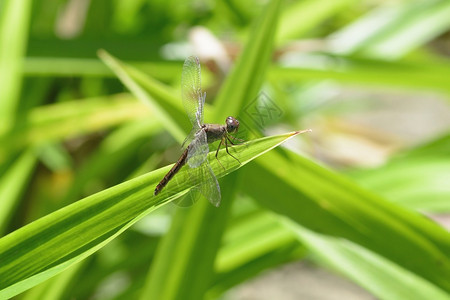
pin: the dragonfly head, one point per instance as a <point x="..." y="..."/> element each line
<point x="232" y="124"/>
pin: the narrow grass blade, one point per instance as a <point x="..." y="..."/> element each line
<point x="328" y="203"/>
<point x="418" y="23"/>
<point x="257" y="234"/>
<point x="381" y="277"/>
<point x="14" y="19"/>
<point x="303" y="16"/>
<point x="391" y="31"/>
<point x="12" y="185"/>
<point x="253" y="243"/>
<point x="415" y="76"/>
<point x="157" y="96"/>
<point x="78" y="67"/>
<point x="59" y="121"/>
<point x="416" y="179"/>
<point x="119" y="146"/>
<point x="419" y="183"/>
<point x="55" y="288"/>
<point x="247" y="76"/>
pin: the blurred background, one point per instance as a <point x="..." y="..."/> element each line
<point x="371" y="78"/>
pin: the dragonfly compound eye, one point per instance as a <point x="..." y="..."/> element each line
<point x="232" y="124"/>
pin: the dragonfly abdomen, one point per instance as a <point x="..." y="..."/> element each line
<point x="176" y="167"/>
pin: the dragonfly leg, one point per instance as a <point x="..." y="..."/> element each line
<point x="230" y="140"/>
<point x="217" y="152"/>
<point x="226" y="147"/>
<point x="234" y="138"/>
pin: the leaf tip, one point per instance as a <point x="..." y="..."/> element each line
<point x="300" y="132"/>
<point x="103" y="54"/>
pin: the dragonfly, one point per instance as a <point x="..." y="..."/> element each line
<point x="195" y="154"/>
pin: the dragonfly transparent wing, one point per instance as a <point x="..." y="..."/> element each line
<point x="198" y="150"/>
<point x="191" y="91"/>
<point x="197" y="155"/>
<point x="189" y="138"/>
<point x="205" y="183"/>
<point x="209" y="186"/>
<point x="201" y="175"/>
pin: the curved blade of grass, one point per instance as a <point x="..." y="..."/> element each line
<point x="328" y="203"/>
<point x="248" y="243"/>
<point x="407" y="26"/>
<point x="73" y="67"/>
<point x="119" y="146"/>
<point x="59" y="121"/>
<point x="303" y="16"/>
<point x="419" y="183"/>
<point x="378" y="275"/>
<point x="416" y="179"/>
<point x="12" y="184"/>
<point x="417" y="24"/>
<point x="247" y="239"/>
<point x="371" y="73"/>
<point x="253" y="243"/>
<point x="157" y="96"/>
<point x="51" y="244"/>
<point x="247" y="76"/>
<point x="55" y="287"/>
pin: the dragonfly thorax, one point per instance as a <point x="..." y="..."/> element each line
<point x="214" y="132"/>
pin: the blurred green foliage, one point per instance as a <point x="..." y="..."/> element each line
<point x="89" y="101"/>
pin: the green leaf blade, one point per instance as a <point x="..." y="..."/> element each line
<point x="158" y="97"/>
<point x="14" y="22"/>
<point x="328" y="203"/>
<point x="47" y="246"/>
